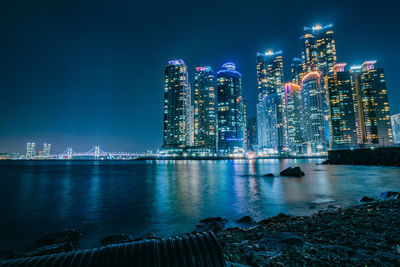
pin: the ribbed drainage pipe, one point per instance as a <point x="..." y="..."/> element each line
<point x="199" y="249"/>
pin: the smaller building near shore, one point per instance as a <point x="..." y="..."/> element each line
<point x="396" y="128"/>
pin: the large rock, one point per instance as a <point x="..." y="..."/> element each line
<point x="115" y="239"/>
<point x="214" y="224"/>
<point x="246" y="220"/>
<point x="366" y="199"/>
<point x="293" y="172"/>
<point x="63" y="236"/>
<point x="269" y="175"/>
<point x="51" y="249"/>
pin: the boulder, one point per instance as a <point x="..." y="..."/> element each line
<point x="292" y="172"/>
<point x="51" y="249"/>
<point x="246" y="220"/>
<point x="115" y="239"/>
<point x="366" y="199"/>
<point x="214" y="224"/>
<point x="390" y="194"/>
<point x="269" y="175"/>
<point x="62" y="236"/>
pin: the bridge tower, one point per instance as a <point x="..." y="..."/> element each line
<point x="96" y="152"/>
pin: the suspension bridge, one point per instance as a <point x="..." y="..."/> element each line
<point x="97" y="153"/>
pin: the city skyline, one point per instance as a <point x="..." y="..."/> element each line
<point x="103" y="111"/>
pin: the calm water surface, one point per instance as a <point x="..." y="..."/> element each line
<point x="101" y="198"/>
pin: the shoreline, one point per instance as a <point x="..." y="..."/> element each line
<point x="359" y="234"/>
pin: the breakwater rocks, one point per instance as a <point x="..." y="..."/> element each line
<point x="363" y="235"/>
<point x="385" y="156"/>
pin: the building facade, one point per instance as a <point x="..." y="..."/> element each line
<point x="271" y="98"/>
<point x="230" y="110"/>
<point x="252" y="134"/>
<point x="30" y="151"/>
<point x="319" y="49"/>
<point x="342" y="123"/>
<point x="294" y="114"/>
<point x="205" y="120"/>
<point x="177" y="106"/>
<point x="370" y="94"/>
<point x="396" y="128"/>
<point x="312" y="96"/>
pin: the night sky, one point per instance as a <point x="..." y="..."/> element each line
<point x="80" y="73"/>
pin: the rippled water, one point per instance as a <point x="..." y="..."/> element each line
<point x="101" y="198"/>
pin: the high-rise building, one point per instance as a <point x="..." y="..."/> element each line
<point x="319" y="53"/>
<point x="342" y="123"/>
<point x="296" y="70"/>
<point x="177" y="105"/>
<point x="294" y="118"/>
<point x="312" y="97"/>
<point x="204" y="108"/>
<point x="396" y="128"/>
<point x="252" y="134"/>
<point x="46" y="150"/>
<point x="271" y="98"/>
<point x="30" y="151"/>
<point x="267" y="124"/>
<point x="230" y="110"/>
<point x="372" y="105"/>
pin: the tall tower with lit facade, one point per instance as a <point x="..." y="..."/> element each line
<point x="271" y="113"/>
<point x="230" y="110"/>
<point x="312" y="97"/>
<point x="204" y="108"/>
<point x="342" y="123"/>
<point x="294" y="111"/>
<point x="296" y="70"/>
<point x="319" y="51"/>
<point x="177" y="105"/>
<point x="372" y="105"/>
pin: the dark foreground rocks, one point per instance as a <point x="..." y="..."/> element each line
<point x="363" y="235"/>
<point x="69" y="235"/>
<point x="292" y="172"/>
<point x="214" y="224"/>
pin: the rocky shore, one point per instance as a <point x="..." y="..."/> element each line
<point x="367" y="234"/>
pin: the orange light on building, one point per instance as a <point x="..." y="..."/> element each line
<point x="308" y="75"/>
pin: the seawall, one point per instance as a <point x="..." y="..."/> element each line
<point x="387" y="156"/>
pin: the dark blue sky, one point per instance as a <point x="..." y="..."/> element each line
<point x="80" y="73"/>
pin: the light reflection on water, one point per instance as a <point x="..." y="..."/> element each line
<point x="166" y="197"/>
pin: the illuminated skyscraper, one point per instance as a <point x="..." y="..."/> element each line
<point x="294" y="118"/>
<point x="30" y="151"/>
<point x="204" y="108"/>
<point x="267" y="124"/>
<point x="271" y="98"/>
<point x="396" y="128"/>
<point x="319" y="53"/>
<point x="313" y="113"/>
<point x="372" y="105"/>
<point x="177" y="114"/>
<point x="46" y="150"/>
<point x="252" y="134"/>
<point x="296" y="70"/>
<point x="230" y="109"/>
<point x="342" y="123"/>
